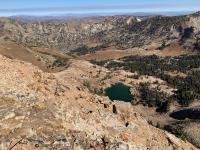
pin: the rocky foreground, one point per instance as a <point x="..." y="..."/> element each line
<point x="42" y="111"/>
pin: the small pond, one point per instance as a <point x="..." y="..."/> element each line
<point x="120" y="92"/>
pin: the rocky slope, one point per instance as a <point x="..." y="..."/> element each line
<point x="56" y="111"/>
<point x="99" y="32"/>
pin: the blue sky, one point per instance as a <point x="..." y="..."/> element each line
<point x="45" y="7"/>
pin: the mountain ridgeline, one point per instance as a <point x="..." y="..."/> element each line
<point x="121" y="32"/>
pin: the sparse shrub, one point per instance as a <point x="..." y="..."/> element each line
<point x="86" y="83"/>
<point x="114" y="109"/>
<point x="136" y="76"/>
<point x="60" y="62"/>
<point x="158" y="125"/>
<point x="197" y="46"/>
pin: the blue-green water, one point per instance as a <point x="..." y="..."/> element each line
<point x="119" y="92"/>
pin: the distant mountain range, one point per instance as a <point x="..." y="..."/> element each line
<point x="77" y="15"/>
<point x="121" y="31"/>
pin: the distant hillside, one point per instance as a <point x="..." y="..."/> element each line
<point x="94" y="33"/>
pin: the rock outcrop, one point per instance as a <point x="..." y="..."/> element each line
<point x="42" y="111"/>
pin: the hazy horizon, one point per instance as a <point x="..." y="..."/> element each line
<point x="170" y="13"/>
